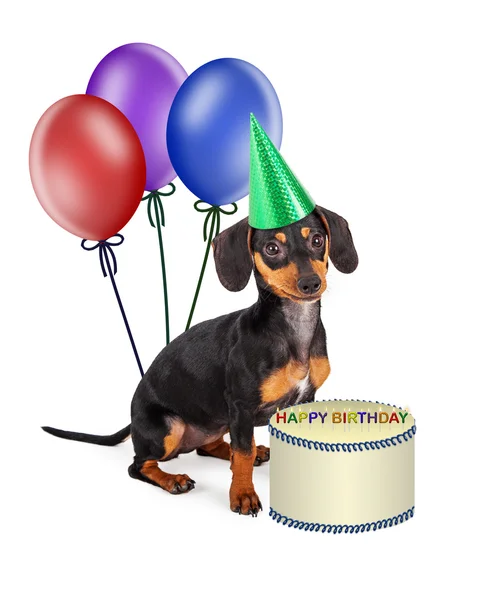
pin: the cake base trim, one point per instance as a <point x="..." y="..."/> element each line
<point x="327" y="528"/>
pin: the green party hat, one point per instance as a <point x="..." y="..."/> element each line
<point x="276" y="197"/>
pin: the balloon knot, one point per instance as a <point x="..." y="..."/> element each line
<point x="105" y="248"/>
<point x="213" y="212"/>
<point x="154" y="202"/>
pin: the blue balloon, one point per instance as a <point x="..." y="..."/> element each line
<point x="208" y="131"/>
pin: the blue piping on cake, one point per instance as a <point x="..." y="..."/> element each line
<point x="327" y="528"/>
<point x="346" y="447"/>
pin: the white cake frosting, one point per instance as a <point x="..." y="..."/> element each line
<point x="342" y="477"/>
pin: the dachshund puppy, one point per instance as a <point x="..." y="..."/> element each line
<point x="230" y="374"/>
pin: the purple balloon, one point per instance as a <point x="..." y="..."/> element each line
<point x="141" y="80"/>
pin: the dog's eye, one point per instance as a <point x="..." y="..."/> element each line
<point x="317" y="241"/>
<point x="272" y="249"/>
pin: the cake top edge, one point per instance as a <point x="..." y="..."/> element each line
<point x="344" y="422"/>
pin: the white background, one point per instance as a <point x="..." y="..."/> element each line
<point x="381" y="123"/>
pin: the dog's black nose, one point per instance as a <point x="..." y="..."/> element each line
<point x="309" y="284"/>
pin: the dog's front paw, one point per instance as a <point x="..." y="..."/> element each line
<point x="262" y="455"/>
<point x="245" y="501"/>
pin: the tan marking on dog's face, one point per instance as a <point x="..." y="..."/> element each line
<point x="282" y="381"/>
<point x="319" y="370"/>
<point x="321" y="269"/>
<point x="283" y="281"/>
<point x="305" y="231"/>
<point x="281" y="237"/>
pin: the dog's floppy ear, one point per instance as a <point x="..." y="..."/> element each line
<point x="341" y="246"/>
<point x="233" y="260"/>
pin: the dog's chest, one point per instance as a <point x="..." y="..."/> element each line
<point x="289" y="383"/>
<point x="283" y="388"/>
<point x="301" y="387"/>
<point x="302" y="320"/>
<point x="304" y="326"/>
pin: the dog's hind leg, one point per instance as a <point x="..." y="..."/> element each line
<point x="150" y="472"/>
<point x="262" y="455"/>
<point x="221" y="449"/>
<point x="159" y="442"/>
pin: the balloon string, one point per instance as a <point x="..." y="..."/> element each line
<point x="154" y="200"/>
<point x="106" y="252"/>
<point x="213" y="218"/>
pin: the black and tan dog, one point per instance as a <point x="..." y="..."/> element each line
<point x="231" y="373"/>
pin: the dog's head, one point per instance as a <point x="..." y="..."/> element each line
<point x="290" y="261"/>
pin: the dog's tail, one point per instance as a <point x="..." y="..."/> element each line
<point x="102" y="440"/>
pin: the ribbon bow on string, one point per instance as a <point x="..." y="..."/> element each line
<point x="213" y="216"/>
<point x="213" y="213"/>
<point x="105" y="247"/>
<point x="154" y="202"/>
<point x="105" y="250"/>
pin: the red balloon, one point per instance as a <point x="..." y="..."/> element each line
<point x="87" y="166"/>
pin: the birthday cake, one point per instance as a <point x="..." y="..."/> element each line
<point x="342" y="466"/>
